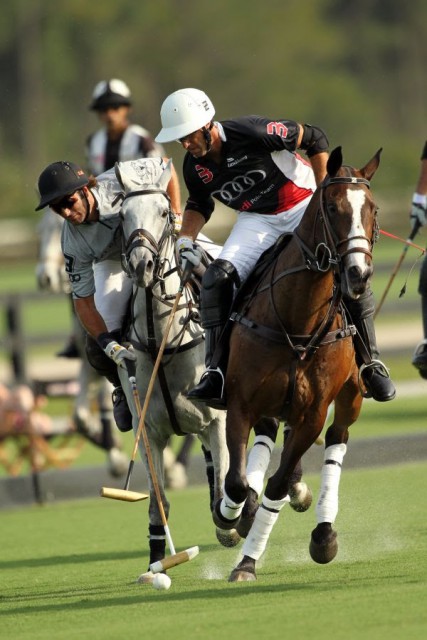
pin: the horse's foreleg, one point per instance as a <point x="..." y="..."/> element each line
<point x="258" y="462"/>
<point x="227" y="512"/>
<point x="255" y="544"/>
<point x="217" y="462"/>
<point x="323" y="544"/>
<point x="156" y="529"/>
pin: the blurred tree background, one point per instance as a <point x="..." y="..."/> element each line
<point x="355" y="68"/>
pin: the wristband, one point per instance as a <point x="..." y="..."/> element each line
<point x="421" y="199"/>
<point x="104" y="339"/>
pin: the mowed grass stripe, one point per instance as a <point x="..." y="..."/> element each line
<point x="68" y="570"/>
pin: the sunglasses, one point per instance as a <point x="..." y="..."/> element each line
<point x="66" y="202"/>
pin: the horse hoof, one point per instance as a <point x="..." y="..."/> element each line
<point x="248" y="514"/>
<point x="323" y="549"/>
<point x="244" y="572"/>
<point x="300" y="497"/>
<point x="227" y="538"/>
<point x="220" y="521"/>
<point x="241" y="576"/>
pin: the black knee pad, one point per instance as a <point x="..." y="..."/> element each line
<point x="422" y="286"/>
<point x="217" y="293"/>
<point x="100" y="361"/>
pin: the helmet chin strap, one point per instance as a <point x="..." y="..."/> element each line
<point x="207" y="136"/>
<point x="86" y="199"/>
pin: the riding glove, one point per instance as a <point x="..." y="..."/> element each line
<point x="189" y="252"/>
<point x="419" y="210"/>
<point x="115" y="351"/>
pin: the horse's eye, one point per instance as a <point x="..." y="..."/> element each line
<point x="165" y="213"/>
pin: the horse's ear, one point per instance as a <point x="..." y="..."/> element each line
<point x="370" y="168"/>
<point x="166" y="176"/>
<point x="334" y="162"/>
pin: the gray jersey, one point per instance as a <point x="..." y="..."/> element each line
<point x="85" y="244"/>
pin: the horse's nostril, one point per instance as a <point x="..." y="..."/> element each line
<point x="355" y="273"/>
<point x="140" y="269"/>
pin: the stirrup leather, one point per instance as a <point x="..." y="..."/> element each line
<point x="374" y="364"/>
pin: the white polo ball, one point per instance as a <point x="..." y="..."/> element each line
<point x="161" y="581"/>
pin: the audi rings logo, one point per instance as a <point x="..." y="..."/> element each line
<point x="233" y="189"/>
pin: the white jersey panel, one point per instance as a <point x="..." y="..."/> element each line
<point x="295" y="168"/>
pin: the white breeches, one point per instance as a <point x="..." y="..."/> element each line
<point x="253" y="233"/>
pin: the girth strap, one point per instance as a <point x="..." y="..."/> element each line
<point x="302" y="340"/>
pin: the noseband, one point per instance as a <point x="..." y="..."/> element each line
<point x="143" y="238"/>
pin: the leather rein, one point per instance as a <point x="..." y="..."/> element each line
<point x="143" y="238"/>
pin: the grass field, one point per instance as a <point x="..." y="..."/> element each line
<point x="69" y="571"/>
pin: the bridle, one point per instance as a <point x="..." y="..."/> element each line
<point x="143" y="238"/>
<point x="331" y="251"/>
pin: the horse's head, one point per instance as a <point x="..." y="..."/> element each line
<point x="349" y="214"/>
<point x="146" y="220"/>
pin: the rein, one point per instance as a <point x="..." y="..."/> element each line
<point x="143" y="238"/>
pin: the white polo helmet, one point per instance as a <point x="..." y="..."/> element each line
<point x="110" y="93"/>
<point x="183" y="112"/>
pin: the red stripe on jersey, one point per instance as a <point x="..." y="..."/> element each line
<point x="290" y="195"/>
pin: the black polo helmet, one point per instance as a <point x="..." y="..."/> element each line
<point x="58" y="180"/>
<point x="110" y="93"/>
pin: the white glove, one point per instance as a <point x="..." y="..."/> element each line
<point x="189" y="252"/>
<point x="119" y="354"/>
<point x="49" y="276"/>
<point x="419" y="210"/>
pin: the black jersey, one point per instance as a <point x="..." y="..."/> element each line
<point x="259" y="172"/>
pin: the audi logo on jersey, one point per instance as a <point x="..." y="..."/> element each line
<point x="233" y="189"/>
<point x="277" y="129"/>
<point x="204" y="173"/>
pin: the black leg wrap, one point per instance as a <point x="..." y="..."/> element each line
<point x="210" y="473"/>
<point x="157" y="538"/>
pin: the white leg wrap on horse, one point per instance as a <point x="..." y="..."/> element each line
<point x="258" y="461"/>
<point x="263" y="524"/>
<point x="230" y="510"/>
<point x="327" y="505"/>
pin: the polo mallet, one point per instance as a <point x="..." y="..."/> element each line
<point x="397" y="266"/>
<point x="122" y="494"/>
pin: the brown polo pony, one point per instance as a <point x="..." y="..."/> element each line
<point x="292" y="354"/>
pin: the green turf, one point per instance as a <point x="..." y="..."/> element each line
<point x="69" y="569"/>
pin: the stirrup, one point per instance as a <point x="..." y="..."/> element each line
<point x="374" y="364"/>
<point x="216" y="370"/>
